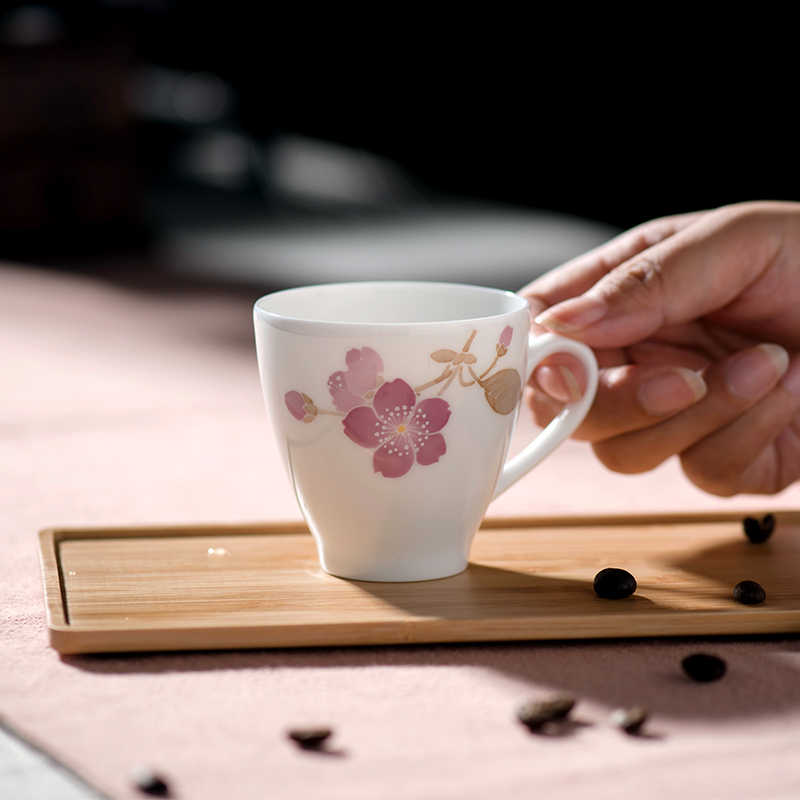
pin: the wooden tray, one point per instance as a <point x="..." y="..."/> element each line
<point x="195" y="588"/>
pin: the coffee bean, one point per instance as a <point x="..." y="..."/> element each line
<point x="749" y="592"/>
<point x="309" y="738"/>
<point x="614" y="584"/>
<point x="703" y="668"/>
<point x="630" y="719"/>
<point x="758" y="531"/>
<point x="149" y="782"/>
<point x="536" y="713"/>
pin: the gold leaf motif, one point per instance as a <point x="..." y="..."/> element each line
<point x="503" y="390"/>
<point x="443" y="356"/>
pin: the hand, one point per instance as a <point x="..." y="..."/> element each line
<point x="695" y="320"/>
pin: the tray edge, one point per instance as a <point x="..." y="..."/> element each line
<point x="68" y="640"/>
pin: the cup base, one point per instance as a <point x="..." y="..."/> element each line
<point x="399" y="573"/>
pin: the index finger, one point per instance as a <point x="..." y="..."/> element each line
<point x="699" y="270"/>
<point x="578" y="275"/>
<point x="560" y="375"/>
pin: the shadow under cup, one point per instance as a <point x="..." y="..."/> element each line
<point x="393" y="405"/>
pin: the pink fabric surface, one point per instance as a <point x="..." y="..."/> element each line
<point x="123" y="406"/>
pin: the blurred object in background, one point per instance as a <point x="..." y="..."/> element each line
<point x="67" y="177"/>
<point x="344" y="214"/>
<point x="489" y="245"/>
<point x="292" y="209"/>
<point x="172" y="95"/>
<point x="284" y="148"/>
<point x="328" y="176"/>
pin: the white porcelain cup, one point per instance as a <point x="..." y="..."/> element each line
<point x="393" y="405"/>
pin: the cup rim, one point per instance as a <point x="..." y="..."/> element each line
<point x="306" y="324"/>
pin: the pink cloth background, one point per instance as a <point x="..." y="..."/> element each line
<point x="142" y="405"/>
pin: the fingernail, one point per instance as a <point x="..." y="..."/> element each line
<point x="573" y="315"/>
<point x="791" y="380"/>
<point x="753" y="372"/>
<point x="671" y="391"/>
<point x="558" y="382"/>
<point x="571" y="383"/>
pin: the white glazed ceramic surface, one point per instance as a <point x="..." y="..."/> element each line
<point x="393" y="405"/>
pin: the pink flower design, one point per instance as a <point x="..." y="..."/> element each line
<point x="353" y="387"/>
<point x="504" y="342"/>
<point x="403" y="430"/>
<point x="300" y="406"/>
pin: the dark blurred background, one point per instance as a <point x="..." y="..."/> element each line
<point x="122" y="123"/>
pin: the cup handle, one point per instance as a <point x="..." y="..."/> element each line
<point x="565" y="424"/>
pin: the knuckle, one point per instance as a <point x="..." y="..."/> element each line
<point x="641" y="282"/>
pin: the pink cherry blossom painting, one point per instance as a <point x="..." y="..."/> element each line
<point x="403" y="431"/>
<point x="389" y="417"/>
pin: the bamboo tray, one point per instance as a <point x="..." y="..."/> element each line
<point x="219" y="587"/>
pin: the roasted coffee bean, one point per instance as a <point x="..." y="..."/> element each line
<point x="630" y="719"/>
<point x="149" y="782"/>
<point x="758" y="531"/>
<point x="309" y="738"/>
<point x="536" y="713"/>
<point x="614" y="584"/>
<point x="703" y="668"/>
<point x="749" y="592"/>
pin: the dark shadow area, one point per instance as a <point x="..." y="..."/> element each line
<point x="760" y="680"/>
<point x="329" y="752"/>
<point x="560" y="728"/>
<point x="774" y="564"/>
<point x="484" y="592"/>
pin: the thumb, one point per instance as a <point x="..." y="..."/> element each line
<point x="697" y="271"/>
